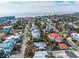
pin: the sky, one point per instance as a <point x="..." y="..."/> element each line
<point x="35" y="8"/>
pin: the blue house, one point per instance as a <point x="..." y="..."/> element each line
<point x="7" y="28"/>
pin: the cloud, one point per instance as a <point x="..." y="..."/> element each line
<point x="29" y="7"/>
<point x="76" y="2"/>
<point x="65" y="3"/>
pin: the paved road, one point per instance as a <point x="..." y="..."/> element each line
<point x="69" y="40"/>
<point x="50" y="25"/>
<point x="21" y="55"/>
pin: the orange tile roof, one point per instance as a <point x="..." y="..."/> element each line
<point x="52" y="34"/>
<point x="58" y="37"/>
<point x="63" y="45"/>
<point x="13" y="30"/>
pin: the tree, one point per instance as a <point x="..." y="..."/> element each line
<point x="29" y="51"/>
<point x="1" y="39"/>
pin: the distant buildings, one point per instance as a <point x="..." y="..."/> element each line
<point x="7" y="19"/>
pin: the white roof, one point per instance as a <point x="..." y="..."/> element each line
<point x="75" y="36"/>
<point x="40" y="44"/>
<point x="40" y="54"/>
<point x="60" y="53"/>
<point x="7" y="26"/>
<point x="10" y="37"/>
<point x="35" y="33"/>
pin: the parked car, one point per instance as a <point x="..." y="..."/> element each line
<point x="50" y="30"/>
